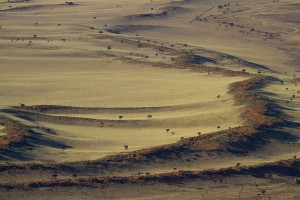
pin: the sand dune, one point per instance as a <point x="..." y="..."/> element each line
<point x="204" y="113"/>
<point x="114" y="83"/>
<point x="149" y="99"/>
<point x="2" y="130"/>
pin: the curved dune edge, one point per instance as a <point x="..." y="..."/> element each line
<point x="186" y="59"/>
<point x="236" y="89"/>
<point x="257" y="112"/>
<point x="289" y="168"/>
<point x="16" y="133"/>
<point x="261" y="148"/>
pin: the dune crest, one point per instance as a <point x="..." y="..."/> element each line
<point x="149" y="99"/>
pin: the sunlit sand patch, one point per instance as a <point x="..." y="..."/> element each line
<point x="103" y="83"/>
<point x="2" y="130"/>
<point x="88" y="143"/>
<point x="149" y="100"/>
<point x="286" y="95"/>
<point x="72" y="55"/>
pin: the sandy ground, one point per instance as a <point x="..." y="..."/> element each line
<point x="2" y="130"/>
<point x="287" y="97"/>
<point x="109" y="83"/>
<point x="49" y="71"/>
<point x="215" y="32"/>
<point x="104" y="83"/>
<point x="107" y="59"/>
<point x="248" y="188"/>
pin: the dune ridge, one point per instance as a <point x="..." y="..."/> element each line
<point x="214" y="109"/>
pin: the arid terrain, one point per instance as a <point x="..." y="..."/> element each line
<point x="149" y="99"/>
